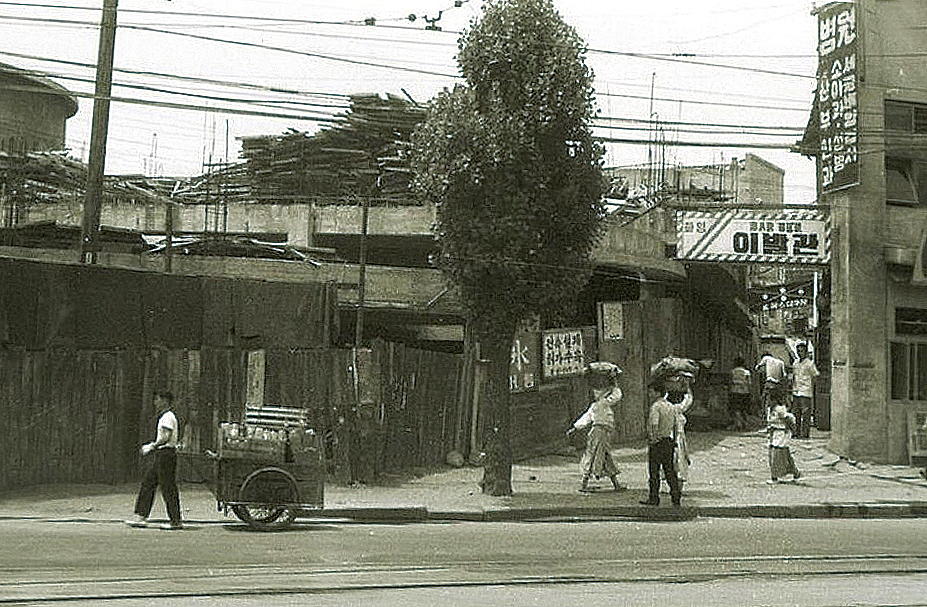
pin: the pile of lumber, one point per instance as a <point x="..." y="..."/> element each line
<point x="363" y="154"/>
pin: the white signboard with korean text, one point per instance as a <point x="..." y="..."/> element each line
<point x="562" y="353"/>
<point x="753" y="236"/>
<point x="837" y="104"/>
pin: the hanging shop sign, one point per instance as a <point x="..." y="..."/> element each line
<point x="836" y="103"/>
<point x="752" y="236"/>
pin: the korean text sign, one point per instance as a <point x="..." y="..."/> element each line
<point x="562" y="353"/>
<point x="753" y="236"/>
<point x="837" y="102"/>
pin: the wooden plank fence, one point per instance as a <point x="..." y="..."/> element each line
<point x="72" y="415"/>
<point x="79" y="415"/>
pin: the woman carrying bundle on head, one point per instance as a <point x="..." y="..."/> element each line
<point x="599" y="422"/>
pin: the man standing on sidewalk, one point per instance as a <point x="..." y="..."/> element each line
<point x="661" y="428"/>
<point x="163" y="471"/>
<point x="804" y="373"/>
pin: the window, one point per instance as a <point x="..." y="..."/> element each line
<point x="905" y="181"/>
<point x="909" y="371"/>
<point x="906" y="117"/>
<point x="910" y="321"/>
<point x="909" y="358"/>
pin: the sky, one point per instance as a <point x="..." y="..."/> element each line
<point x="192" y="76"/>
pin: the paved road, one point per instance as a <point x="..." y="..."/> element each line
<point x="710" y="561"/>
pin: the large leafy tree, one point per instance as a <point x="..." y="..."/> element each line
<point x="510" y="162"/>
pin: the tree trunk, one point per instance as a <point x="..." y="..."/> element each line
<point x="497" y="468"/>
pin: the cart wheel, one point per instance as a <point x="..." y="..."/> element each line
<point x="265" y="490"/>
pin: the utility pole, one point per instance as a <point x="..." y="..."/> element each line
<point x="93" y="194"/>
<point x="361" y="275"/>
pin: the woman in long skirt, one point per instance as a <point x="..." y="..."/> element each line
<point x="599" y="418"/>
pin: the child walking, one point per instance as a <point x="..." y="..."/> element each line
<point x="599" y="418"/>
<point x="780" y="426"/>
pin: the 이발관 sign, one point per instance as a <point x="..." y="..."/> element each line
<point x="563" y="353"/>
<point x="750" y="236"/>
<point x="836" y="104"/>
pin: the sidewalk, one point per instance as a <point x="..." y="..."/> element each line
<point x="727" y="479"/>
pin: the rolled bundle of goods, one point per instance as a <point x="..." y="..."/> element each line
<point x="672" y="365"/>
<point x="603" y="367"/>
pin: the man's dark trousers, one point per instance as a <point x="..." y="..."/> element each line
<point x="660" y="455"/>
<point x="801" y="408"/>
<point x="163" y="473"/>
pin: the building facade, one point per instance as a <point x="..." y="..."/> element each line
<point x="746" y="181"/>
<point x="868" y="131"/>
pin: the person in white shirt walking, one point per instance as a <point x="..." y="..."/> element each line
<point x="780" y="425"/>
<point x="804" y="372"/>
<point x="740" y="397"/>
<point x="163" y="471"/>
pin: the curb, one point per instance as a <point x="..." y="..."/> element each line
<point x="421" y="514"/>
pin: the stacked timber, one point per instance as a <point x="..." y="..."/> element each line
<point x="363" y="154"/>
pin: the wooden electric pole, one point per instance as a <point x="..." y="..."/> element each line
<point x="93" y="194"/>
<point x="361" y="275"/>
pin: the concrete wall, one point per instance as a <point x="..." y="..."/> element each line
<point x="296" y="220"/>
<point x="397" y="287"/>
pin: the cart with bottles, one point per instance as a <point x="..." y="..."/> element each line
<point x="269" y="469"/>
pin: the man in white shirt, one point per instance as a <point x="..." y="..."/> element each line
<point x="163" y="471"/>
<point x="804" y="373"/>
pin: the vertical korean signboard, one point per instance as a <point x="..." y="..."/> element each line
<point x="523" y="366"/>
<point x="837" y="106"/>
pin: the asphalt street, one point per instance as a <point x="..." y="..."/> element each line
<point x="739" y="561"/>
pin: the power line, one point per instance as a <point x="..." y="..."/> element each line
<point x="193" y="79"/>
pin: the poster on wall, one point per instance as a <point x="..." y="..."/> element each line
<point x="611" y="314"/>
<point x="562" y="353"/>
<point x="836" y="103"/>
<point x="752" y="236"/>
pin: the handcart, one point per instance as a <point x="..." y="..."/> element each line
<point x="267" y="470"/>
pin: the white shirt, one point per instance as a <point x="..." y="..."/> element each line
<point x="169" y="422"/>
<point x="803" y="374"/>
<point x="600" y="411"/>
<point x="740" y="381"/>
<point x="773" y="369"/>
<point x="780" y="422"/>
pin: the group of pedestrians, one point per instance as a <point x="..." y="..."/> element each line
<point x="667" y="452"/>
<point x="782" y="422"/>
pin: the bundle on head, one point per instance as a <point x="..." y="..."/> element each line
<point x="668" y="367"/>
<point x="602" y="374"/>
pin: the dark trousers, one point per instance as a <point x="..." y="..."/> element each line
<point x="801" y="409"/>
<point x="164" y="474"/>
<point x="660" y="455"/>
